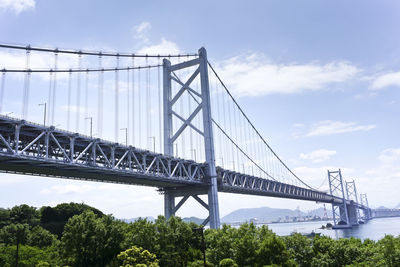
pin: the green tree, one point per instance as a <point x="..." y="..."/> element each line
<point x="137" y="255"/>
<point x="24" y="214"/>
<point x="89" y="240"/>
<point x="28" y="256"/>
<point x="40" y="237"/>
<point x="389" y="247"/>
<point x="300" y="248"/>
<point x="246" y="244"/>
<point x="272" y="251"/>
<point x="54" y="219"/>
<point x="4" y="217"/>
<point x="227" y="263"/>
<point x="142" y="233"/>
<point x="174" y="238"/>
<point x="219" y="243"/>
<point x="14" y="234"/>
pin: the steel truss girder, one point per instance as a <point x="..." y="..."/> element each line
<point x="230" y="181"/>
<point x="25" y="142"/>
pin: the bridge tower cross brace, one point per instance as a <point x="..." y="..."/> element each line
<point x="339" y="211"/>
<point x="170" y="136"/>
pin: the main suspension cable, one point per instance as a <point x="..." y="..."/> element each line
<point x="91" y="53"/>
<point x="257" y="132"/>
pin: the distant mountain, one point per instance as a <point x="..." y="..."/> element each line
<point x="193" y="219"/>
<point x="266" y="214"/>
<point x="381" y="207"/>
<point x="397" y="207"/>
<point x="149" y="218"/>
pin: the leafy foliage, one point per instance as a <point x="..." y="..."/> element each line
<point x="78" y="235"/>
<point x="89" y="240"/>
<point x="137" y="255"/>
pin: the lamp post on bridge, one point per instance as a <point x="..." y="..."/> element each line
<point x="44" y="115"/>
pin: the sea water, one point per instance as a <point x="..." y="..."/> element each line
<point x="374" y="229"/>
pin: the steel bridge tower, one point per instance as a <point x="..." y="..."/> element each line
<point x="339" y="211"/>
<point x="170" y="136"/>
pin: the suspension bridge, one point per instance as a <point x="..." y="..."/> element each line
<point x="166" y="121"/>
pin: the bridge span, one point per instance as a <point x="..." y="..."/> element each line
<point x="194" y="114"/>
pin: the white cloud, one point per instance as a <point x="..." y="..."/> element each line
<point x="67" y="189"/>
<point x="142" y="30"/>
<point x="318" y="155"/>
<point x="252" y="75"/>
<point x="381" y="182"/>
<point x="17" y="5"/>
<point x="390" y="156"/>
<point x="334" y="127"/>
<point x="385" y="80"/>
<point x="165" y="47"/>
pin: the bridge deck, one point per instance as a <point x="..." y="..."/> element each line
<point x="34" y="149"/>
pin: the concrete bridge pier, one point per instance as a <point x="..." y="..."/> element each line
<point x="353" y="215"/>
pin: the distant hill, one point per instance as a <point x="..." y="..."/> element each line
<point x="266" y="214"/>
<point x="149" y="218"/>
<point x="263" y="214"/>
<point x="381" y="207"/>
<point x="193" y="219"/>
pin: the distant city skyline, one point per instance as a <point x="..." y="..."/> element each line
<point x="319" y="80"/>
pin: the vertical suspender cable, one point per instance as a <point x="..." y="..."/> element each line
<point x="78" y="94"/>
<point x="3" y="81"/>
<point x="116" y="101"/>
<point x="54" y="87"/>
<point x="100" y="100"/>
<point x="86" y="100"/>
<point x="25" y="97"/>
<point x="128" y="100"/>
<point x="148" y="107"/>
<point x="140" y="109"/>
<point x="50" y="97"/>
<point x="69" y="100"/>
<point x="194" y="156"/>
<point x="159" y="106"/>
<point x="133" y="101"/>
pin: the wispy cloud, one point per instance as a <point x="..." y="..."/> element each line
<point x="318" y="155"/>
<point x="335" y="127"/>
<point x="164" y="47"/>
<point x="141" y="31"/>
<point x="17" y="6"/>
<point x="253" y="75"/>
<point x="390" y="156"/>
<point x="67" y="189"/>
<point x="386" y="80"/>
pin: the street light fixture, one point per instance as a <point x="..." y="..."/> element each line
<point x="44" y="116"/>
<point x="91" y="125"/>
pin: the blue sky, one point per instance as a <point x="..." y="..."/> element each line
<point x="319" y="80"/>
